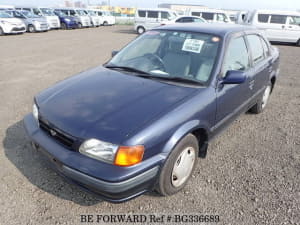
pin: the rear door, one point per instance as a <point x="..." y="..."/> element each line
<point x="153" y="19"/>
<point x="276" y="30"/>
<point x="261" y="62"/>
<point x="233" y="98"/>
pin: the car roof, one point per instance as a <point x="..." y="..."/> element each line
<point x="210" y="28"/>
<point x="278" y="12"/>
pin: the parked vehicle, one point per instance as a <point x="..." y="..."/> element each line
<point x="94" y="18"/>
<point x="83" y="18"/>
<point x="280" y="26"/>
<point x="106" y="18"/>
<point x="146" y="19"/>
<point x="174" y="89"/>
<point x="10" y="25"/>
<point x="211" y="15"/>
<point x="188" y="19"/>
<point x="67" y="22"/>
<point x="7" y="7"/>
<point x="52" y="19"/>
<point x="33" y="22"/>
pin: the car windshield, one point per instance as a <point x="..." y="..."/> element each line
<point x="81" y="12"/>
<point x="173" y="54"/>
<point x="296" y="20"/>
<point x="4" y="14"/>
<point x="29" y="14"/>
<point x="47" y="12"/>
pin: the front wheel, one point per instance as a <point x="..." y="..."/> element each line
<point x="64" y="26"/>
<point x="79" y="25"/>
<point x="31" y="29"/>
<point x="298" y="43"/>
<point x="140" y="30"/>
<point x="179" y="166"/>
<point x="262" y="102"/>
<point x="1" y="32"/>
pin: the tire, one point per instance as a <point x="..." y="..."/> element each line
<point x="140" y="30"/>
<point x="105" y="23"/>
<point x="298" y="43"/>
<point x="79" y="25"/>
<point x="183" y="156"/>
<point x="64" y="26"/>
<point x="262" y="102"/>
<point x="1" y="32"/>
<point x="31" y="29"/>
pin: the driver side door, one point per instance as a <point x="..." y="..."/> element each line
<point x="232" y="99"/>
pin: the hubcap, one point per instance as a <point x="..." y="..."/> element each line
<point x="266" y="96"/>
<point x="183" y="167"/>
<point x="141" y="30"/>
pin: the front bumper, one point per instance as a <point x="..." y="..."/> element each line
<point x="72" y="24"/>
<point x="12" y="29"/>
<point x="112" y="183"/>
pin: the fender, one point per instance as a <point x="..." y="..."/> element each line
<point x="181" y="132"/>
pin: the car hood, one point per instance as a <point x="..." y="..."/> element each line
<point x="40" y="19"/>
<point x="13" y="20"/>
<point x="106" y="104"/>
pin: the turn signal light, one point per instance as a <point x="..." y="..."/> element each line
<point x="129" y="155"/>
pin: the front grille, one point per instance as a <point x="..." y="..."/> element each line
<point x="56" y="134"/>
<point x="18" y="29"/>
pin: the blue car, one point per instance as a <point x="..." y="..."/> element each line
<point x="67" y="22"/>
<point x="140" y="122"/>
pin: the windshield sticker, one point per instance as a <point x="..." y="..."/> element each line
<point x="192" y="45"/>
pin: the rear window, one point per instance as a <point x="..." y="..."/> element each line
<point x="208" y="16"/>
<point x="263" y="18"/>
<point x="279" y="19"/>
<point x="256" y="48"/>
<point x="142" y="13"/>
<point x="152" y="14"/>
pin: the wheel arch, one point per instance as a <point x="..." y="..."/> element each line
<point x="200" y="131"/>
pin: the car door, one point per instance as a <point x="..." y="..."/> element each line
<point x="261" y="63"/>
<point x="153" y="19"/>
<point x="276" y="29"/>
<point x="233" y="98"/>
<point x="293" y="28"/>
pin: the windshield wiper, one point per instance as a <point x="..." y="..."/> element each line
<point x="178" y="79"/>
<point x="127" y="68"/>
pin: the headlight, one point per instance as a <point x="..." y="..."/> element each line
<point x="99" y="150"/>
<point x="35" y="112"/>
<point x="5" y="22"/>
<point x="68" y="20"/>
<point x="111" y="153"/>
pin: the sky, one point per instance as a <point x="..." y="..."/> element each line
<point x="225" y="4"/>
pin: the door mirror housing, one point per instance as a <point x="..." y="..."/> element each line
<point x="234" y="77"/>
<point x="113" y="53"/>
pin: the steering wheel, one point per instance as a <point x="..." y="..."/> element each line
<point x="156" y="59"/>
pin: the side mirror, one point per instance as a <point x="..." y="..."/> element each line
<point x="234" y="77"/>
<point x="113" y="53"/>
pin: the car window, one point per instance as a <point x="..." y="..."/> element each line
<point x="165" y="15"/>
<point x="152" y="14"/>
<point x="180" y="20"/>
<point x="294" y="20"/>
<point x="187" y="19"/>
<point x="221" y="17"/>
<point x="196" y="13"/>
<point x="263" y="18"/>
<point x="142" y="13"/>
<point x="208" y="16"/>
<point x="256" y="48"/>
<point x="37" y="12"/>
<point x="265" y="47"/>
<point x="237" y="57"/>
<point x="278" y="19"/>
<point x="72" y="13"/>
<point x="197" y="20"/>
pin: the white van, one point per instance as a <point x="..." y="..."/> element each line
<point x="146" y="19"/>
<point x="211" y="15"/>
<point x="106" y="18"/>
<point x="52" y="20"/>
<point x="280" y="26"/>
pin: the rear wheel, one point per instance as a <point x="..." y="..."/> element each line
<point x="79" y="25"/>
<point x="140" y="30"/>
<point x="31" y="28"/>
<point x="298" y="43"/>
<point x="105" y="23"/>
<point x="179" y="166"/>
<point x="1" y="32"/>
<point x="261" y="104"/>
